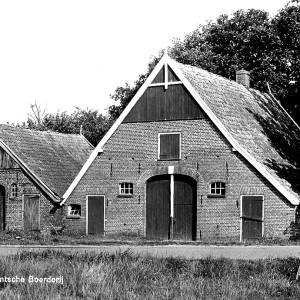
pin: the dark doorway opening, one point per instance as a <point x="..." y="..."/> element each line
<point x="95" y="214"/>
<point x="2" y="208"/>
<point x="252" y="217"/>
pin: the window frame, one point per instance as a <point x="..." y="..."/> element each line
<point x="215" y="194"/>
<point x="122" y="190"/>
<point x="73" y="216"/>
<point x="13" y="191"/>
<point x="158" y="152"/>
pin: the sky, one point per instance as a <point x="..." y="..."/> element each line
<point x="64" y="54"/>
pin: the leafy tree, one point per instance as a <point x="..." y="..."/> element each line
<point x="250" y="40"/>
<point x="287" y="26"/>
<point x="92" y="124"/>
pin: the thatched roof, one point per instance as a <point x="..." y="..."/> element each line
<point x="254" y="119"/>
<point x="53" y="158"/>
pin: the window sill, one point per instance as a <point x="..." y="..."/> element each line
<point x="125" y="196"/>
<point x="73" y="217"/>
<point x="169" y="159"/>
<point x="215" y="196"/>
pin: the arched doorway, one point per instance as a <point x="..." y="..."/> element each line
<point x="171" y="198"/>
<point x="2" y="208"/>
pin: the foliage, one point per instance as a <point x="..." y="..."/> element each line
<point x="251" y="40"/>
<point x="92" y="124"/>
<point x="287" y="26"/>
<point x="126" y="276"/>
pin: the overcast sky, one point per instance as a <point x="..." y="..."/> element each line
<point x="67" y="53"/>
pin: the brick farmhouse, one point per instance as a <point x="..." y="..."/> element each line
<point x="193" y="156"/>
<point x="36" y="168"/>
<point x="189" y="158"/>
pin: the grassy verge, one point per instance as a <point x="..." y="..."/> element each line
<point x="125" y="276"/>
<point x="37" y="238"/>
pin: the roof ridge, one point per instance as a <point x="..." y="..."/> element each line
<point x="38" y="131"/>
<point x="212" y="74"/>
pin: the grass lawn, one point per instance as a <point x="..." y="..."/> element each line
<point x="125" y="276"/>
<point x="37" y="238"/>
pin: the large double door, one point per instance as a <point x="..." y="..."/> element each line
<point x="171" y="209"/>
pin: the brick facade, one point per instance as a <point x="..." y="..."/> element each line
<point x="14" y="206"/>
<point x="131" y="155"/>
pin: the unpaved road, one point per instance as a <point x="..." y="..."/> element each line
<point x="185" y="251"/>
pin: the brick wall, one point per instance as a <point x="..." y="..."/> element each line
<point x="14" y="206"/>
<point x="131" y="155"/>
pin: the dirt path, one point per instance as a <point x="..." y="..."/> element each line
<point x="185" y="251"/>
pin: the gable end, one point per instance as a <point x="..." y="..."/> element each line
<point x="160" y="104"/>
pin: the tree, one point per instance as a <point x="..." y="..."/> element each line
<point x="287" y="26"/>
<point x="36" y="116"/>
<point x="93" y="124"/>
<point x="250" y="40"/>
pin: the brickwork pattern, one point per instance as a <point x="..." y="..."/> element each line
<point x="131" y="155"/>
<point x="14" y="206"/>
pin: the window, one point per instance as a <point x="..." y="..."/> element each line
<point x="217" y="188"/>
<point x="169" y="146"/>
<point x="13" y="191"/>
<point x="126" y="188"/>
<point x="74" y="210"/>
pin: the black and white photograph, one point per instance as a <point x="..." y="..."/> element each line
<point x="149" y="149"/>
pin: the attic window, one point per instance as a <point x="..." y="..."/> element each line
<point x="218" y="189"/>
<point x="74" y="211"/>
<point x="169" y="146"/>
<point x="13" y="191"/>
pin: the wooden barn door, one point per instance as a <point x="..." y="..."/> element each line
<point x="95" y="214"/>
<point x="2" y="208"/>
<point x="185" y="208"/>
<point x="158" y="207"/>
<point x="252" y="217"/>
<point x="31" y="212"/>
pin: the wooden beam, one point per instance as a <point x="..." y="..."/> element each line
<point x="172" y="206"/>
<point x="166" y="76"/>
<point x="163" y="84"/>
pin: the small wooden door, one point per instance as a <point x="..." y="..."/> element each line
<point x="185" y="208"/>
<point x="252" y="217"/>
<point x="2" y="208"/>
<point x="95" y="214"/>
<point x="31" y="212"/>
<point x="158" y="207"/>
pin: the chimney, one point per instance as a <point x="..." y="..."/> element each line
<point x="243" y="77"/>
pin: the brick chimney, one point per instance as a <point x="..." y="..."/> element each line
<point x="243" y="77"/>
